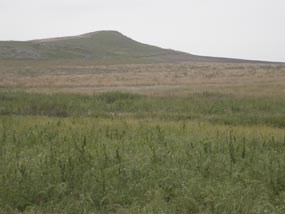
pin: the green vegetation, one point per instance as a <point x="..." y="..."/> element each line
<point x="128" y="153"/>
<point x="106" y="46"/>
<point x="212" y="107"/>
<point x="102" y="45"/>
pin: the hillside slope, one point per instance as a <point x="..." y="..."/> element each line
<point x="101" y="45"/>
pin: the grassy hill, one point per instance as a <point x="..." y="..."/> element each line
<point x="101" y="45"/>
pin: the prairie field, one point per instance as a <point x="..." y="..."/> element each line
<point x="81" y="137"/>
<point x="159" y="79"/>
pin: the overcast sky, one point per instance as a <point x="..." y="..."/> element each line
<point x="250" y="29"/>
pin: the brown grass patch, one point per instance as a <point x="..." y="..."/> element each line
<point x="158" y="79"/>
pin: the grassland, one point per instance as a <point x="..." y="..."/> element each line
<point x="126" y="153"/>
<point x="100" y="46"/>
<point x="161" y="79"/>
<point x="160" y="138"/>
<point x="205" y="107"/>
<point x="97" y="46"/>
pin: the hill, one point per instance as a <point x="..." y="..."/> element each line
<point x="101" y="45"/>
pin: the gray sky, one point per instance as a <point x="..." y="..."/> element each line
<point x="251" y="29"/>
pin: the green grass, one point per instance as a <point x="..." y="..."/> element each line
<point x="127" y="153"/>
<point x="102" y="45"/>
<point x="212" y="107"/>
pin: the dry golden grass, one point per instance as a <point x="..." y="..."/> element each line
<point x="155" y="79"/>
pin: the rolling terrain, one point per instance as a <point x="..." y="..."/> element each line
<point x="110" y="61"/>
<point x="106" y="46"/>
<point x="99" y="123"/>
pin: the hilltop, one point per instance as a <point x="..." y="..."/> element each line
<point x="98" y="46"/>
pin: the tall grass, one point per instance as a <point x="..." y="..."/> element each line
<point x="128" y="153"/>
<point x="211" y="107"/>
<point x="56" y="165"/>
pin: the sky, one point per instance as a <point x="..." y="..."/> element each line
<point x="247" y="29"/>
